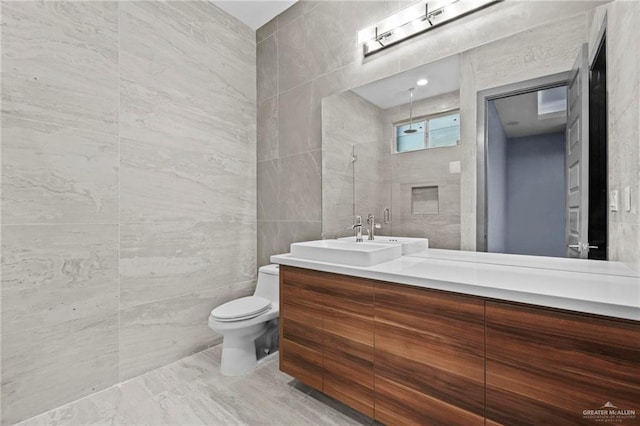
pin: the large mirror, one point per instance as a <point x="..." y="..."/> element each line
<point x="391" y="149"/>
<point x="395" y="148"/>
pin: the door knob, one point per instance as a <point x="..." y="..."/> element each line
<point x="582" y="247"/>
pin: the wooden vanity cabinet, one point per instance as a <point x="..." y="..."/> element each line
<point x="414" y="356"/>
<point x="327" y="334"/>
<point x="546" y="366"/>
<point x="429" y="357"/>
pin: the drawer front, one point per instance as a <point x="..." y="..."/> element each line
<point x="548" y="367"/>
<point x="302" y="363"/>
<point x="300" y="328"/>
<point x="348" y="359"/>
<point x="348" y="340"/>
<point x="429" y="357"/>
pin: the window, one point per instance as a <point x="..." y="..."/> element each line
<point x="431" y="132"/>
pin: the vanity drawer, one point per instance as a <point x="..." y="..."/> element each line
<point x="429" y="356"/>
<point x="348" y="358"/>
<point x="300" y="328"/>
<point x="546" y="366"/>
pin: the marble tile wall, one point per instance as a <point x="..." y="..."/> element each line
<point x="188" y="176"/>
<point x="309" y="52"/>
<point x="623" y="89"/>
<point x="128" y="190"/>
<point x="59" y="203"/>
<point x="428" y="167"/>
<point x="350" y="124"/>
<point x="297" y="70"/>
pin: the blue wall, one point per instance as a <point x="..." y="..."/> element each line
<point x="496" y="182"/>
<point x="536" y="195"/>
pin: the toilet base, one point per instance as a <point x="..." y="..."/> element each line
<point x="245" y="346"/>
<point x="236" y="368"/>
<point x="239" y="352"/>
<point x="244" y="351"/>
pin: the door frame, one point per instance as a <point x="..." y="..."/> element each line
<point x="597" y="143"/>
<point x="483" y="98"/>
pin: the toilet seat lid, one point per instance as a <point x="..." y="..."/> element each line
<point x="240" y="309"/>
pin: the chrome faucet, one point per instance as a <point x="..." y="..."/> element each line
<point x="371" y="221"/>
<point x="357" y="227"/>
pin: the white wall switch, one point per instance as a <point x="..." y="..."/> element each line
<point x="627" y="198"/>
<point x="613" y="200"/>
<point x="454" y="167"/>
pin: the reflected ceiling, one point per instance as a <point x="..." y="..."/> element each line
<point x="520" y="116"/>
<point x="443" y="76"/>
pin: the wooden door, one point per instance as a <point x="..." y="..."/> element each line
<point x="301" y="326"/>
<point x="546" y="367"/>
<point x="429" y="357"/>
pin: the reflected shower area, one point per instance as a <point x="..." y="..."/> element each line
<point x="391" y="148"/>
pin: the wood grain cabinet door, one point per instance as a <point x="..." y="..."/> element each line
<point x="301" y="326"/>
<point x="429" y="357"/>
<point x="348" y="341"/>
<point x="547" y="367"/>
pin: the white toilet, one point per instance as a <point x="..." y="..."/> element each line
<point x="249" y="325"/>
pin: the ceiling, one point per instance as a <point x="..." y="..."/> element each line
<point x="443" y="77"/>
<point x="519" y="116"/>
<point x="254" y="13"/>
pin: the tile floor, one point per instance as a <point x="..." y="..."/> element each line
<point x="193" y="392"/>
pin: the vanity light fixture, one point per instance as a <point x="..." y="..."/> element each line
<point x="422" y="82"/>
<point x="414" y="20"/>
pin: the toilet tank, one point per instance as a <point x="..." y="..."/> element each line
<point x="268" y="285"/>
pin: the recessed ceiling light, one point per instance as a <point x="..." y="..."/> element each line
<point x="422" y="82"/>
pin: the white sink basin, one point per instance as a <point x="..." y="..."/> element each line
<point x="409" y="245"/>
<point x="346" y="252"/>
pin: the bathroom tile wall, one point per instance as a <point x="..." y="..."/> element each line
<point x="187" y="176"/>
<point x="351" y="124"/>
<point x="297" y="69"/>
<point x="425" y="168"/>
<point x="310" y="51"/>
<point x="128" y="190"/>
<point x="623" y="90"/>
<point x="59" y="203"/>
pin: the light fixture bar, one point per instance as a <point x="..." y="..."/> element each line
<point x="415" y="20"/>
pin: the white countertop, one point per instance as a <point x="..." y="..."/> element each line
<point x="590" y="286"/>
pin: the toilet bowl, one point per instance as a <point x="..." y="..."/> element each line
<point x="249" y="325"/>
